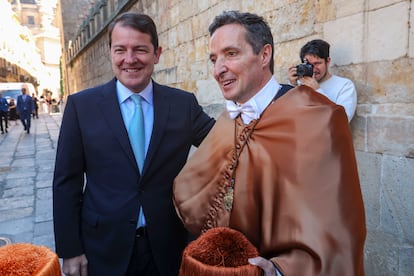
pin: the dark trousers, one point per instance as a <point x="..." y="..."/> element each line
<point x="25" y="118"/>
<point x="36" y="113"/>
<point x="3" y="116"/>
<point x="142" y="261"/>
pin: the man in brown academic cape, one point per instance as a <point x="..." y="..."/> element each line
<point x="280" y="168"/>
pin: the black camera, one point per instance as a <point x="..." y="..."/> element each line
<point x="304" y="69"/>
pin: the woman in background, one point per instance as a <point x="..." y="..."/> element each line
<point x="12" y="111"/>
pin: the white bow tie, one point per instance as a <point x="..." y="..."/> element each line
<point x="248" y="111"/>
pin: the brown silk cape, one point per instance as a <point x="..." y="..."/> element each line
<point x="297" y="196"/>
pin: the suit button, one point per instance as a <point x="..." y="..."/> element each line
<point x="140" y="191"/>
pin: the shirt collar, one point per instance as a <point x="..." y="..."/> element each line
<point x="262" y="98"/>
<point x="124" y="93"/>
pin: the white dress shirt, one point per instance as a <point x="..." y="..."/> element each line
<point x="255" y="105"/>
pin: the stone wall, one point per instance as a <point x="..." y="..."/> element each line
<point x="372" y="43"/>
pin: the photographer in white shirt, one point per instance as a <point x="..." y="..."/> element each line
<point x="338" y="89"/>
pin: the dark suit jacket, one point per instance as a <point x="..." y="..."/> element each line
<point x="4" y="105"/>
<point x="101" y="220"/>
<point x="24" y="107"/>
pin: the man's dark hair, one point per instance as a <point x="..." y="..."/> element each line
<point x="137" y="21"/>
<point x="316" y="47"/>
<point x="258" y="32"/>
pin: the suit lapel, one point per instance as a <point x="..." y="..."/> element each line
<point x="161" y="111"/>
<point x="111" y="111"/>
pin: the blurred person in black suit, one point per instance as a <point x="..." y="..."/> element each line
<point x="24" y="108"/>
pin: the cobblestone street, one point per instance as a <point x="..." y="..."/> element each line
<point x="26" y="173"/>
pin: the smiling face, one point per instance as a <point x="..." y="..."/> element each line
<point x="239" y="72"/>
<point x="133" y="57"/>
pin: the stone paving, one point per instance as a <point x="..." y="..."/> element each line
<point x="26" y="173"/>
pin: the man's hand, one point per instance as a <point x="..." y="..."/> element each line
<point x="309" y="81"/>
<point x="293" y="78"/>
<point x="266" y="265"/>
<point x="306" y="80"/>
<point x="76" y="266"/>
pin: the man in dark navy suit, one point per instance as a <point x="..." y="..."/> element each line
<point x="24" y="108"/>
<point x="113" y="216"/>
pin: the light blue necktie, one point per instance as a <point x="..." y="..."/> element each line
<point x="136" y="132"/>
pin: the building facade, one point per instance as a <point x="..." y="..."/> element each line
<point x="39" y="17"/>
<point x="19" y="59"/>
<point x="372" y="43"/>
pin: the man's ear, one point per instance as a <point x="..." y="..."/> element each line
<point x="266" y="54"/>
<point x="328" y="61"/>
<point x="158" y="54"/>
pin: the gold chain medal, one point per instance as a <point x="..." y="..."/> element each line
<point x="237" y="149"/>
<point x="229" y="195"/>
